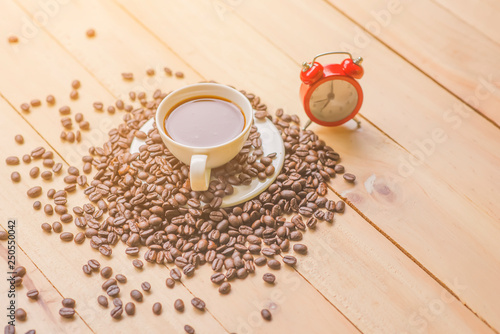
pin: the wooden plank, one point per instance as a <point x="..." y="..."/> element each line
<point x="354" y="268"/>
<point x="442" y="46"/>
<point x="241" y="315"/>
<point x="43" y="312"/>
<point x="426" y="117"/>
<point x="62" y="262"/>
<point x="482" y="17"/>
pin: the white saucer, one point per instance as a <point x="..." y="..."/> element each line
<point x="271" y="143"/>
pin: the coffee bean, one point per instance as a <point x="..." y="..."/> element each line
<point x="19" y="139"/>
<point x="137" y="263"/>
<point x="188" y="329"/>
<point x="269" y="278"/>
<point x="109" y="282"/>
<point x="66" y="236"/>
<point x="340" y="207"/>
<point x="289" y="260"/>
<point x="274" y="264"/>
<point x="121" y="278"/>
<point x="136" y="295"/>
<point x="26" y="158"/>
<point x="32" y="294"/>
<point x="94" y="264"/>
<point x="90" y="33"/>
<point x="198" y="303"/>
<point x="128" y="76"/>
<point x="64" y="110"/>
<point x="349" y="177"/>
<point x="31" y="331"/>
<point x="113" y="291"/>
<point x="218" y="278"/>
<point x="86" y="269"/>
<point x="179" y="305"/>
<point x="57" y="227"/>
<point x="130" y="308"/>
<point x="157" y="308"/>
<point x="176" y="274"/>
<point x="117" y="312"/>
<point x="300" y="248"/>
<point x="260" y="261"/>
<point x="79" y="238"/>
<point x="15" y="177"/>
<point x="12" y="160"/>
<point x="106" y="272"/>
<point x="103" y="301"/>
<point x="145" y="286"/>
<point x="188" y="270"/>
<point x="50" y="99"/>
<point x="25" y="107"/>
<point x="67" y="312"/>
<point x="117" y="302"/>
<point x="20" y="314"/>
<point x="179" y="75"/>
<point x="266" y="314"/>
<point x="170" y="283"/>
<point x="75" y="84"/>
<point x="48" y="209"/>
<point x="68" y="302"/>
<point x="225" y="288"/>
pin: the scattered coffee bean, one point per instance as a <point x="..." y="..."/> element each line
<point x="266" y="314"/>
<point x="79" y="238"/>
<point x="289" y="260"/>
<point x="117" y="302"/>
<point x="157" y="308"/>
<point x="179" y="305"/>
<point x="57" y="227"/>
<point x="34" y="192"/>
<point x="10" y="329"/>
<point x="19" y="139"/>
<point x="67" y="312"/>
<point x="68" y="302"/>
<point x="73" y="95"/>
<point x="300" y="248"/>
<point x="32" y="294"/>
<point x="188" y="329"/>
<point x="269" y="278"/>
<point x="136" y="295"/>
<point x="25" y="107"/>
<point x="121" y="278"/>
<point x="106" y="272"/>
<point x="64" y="110"/>
<point x="48" y="209"/>
<point x="46" y="227"/>
<point x="349" y="177"/>
<point x="198" y="303"/>
<point x="127" y="76"/>
<point x="274" y="264"/>
<point x="75" y="84"/>
<point x="94" y="264"/>
<point x="113" y="290"/>
<point x="117" y="312"/>
<point x="15" y="177"/>
<point x="145" y="286"/>
<point x="90" y="33"/>
<point x="26" y="158"/>
<point x="66" y="236"/>
<point x="3" y="235"/>
<point x="13" y="39"/>
<point x="176" y="274"/>
<point x="225" y="287"/>
<point x="170" y="283"/>
<point x="102" y="300"/>
<point x="12" y="160"/>
<point x="138" y="263"/>
<point x="179" y="75"/>
<point x="50" y="99"/>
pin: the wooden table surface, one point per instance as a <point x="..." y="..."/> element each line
<point x="417" y="250"/>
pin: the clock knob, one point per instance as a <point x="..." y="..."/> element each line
<point x="353" y="68"/>
<point x="311" y="73"/>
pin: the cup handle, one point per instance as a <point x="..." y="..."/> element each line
<point x="199" y="174"/>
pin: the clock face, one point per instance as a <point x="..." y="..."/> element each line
<point x="333" y="100"/>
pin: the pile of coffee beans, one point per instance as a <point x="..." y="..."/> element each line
<point x="144" y="200"/>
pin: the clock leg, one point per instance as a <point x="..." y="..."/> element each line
<point x="358" y="122"/>
<point x="307" y="124"/>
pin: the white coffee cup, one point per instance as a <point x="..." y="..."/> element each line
<point x="202" y="159"/>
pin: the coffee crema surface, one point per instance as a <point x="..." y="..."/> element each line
<point x="204" y="121"/>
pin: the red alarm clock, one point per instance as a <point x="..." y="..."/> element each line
<point x="331" y="95"/>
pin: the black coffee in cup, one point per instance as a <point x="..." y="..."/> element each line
<point x="204" y="121"/>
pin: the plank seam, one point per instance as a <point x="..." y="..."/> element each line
<point x="404" y="251"/>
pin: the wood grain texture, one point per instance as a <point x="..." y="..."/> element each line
<point x="438" y="43"/>
<point x="482" y="17"/>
